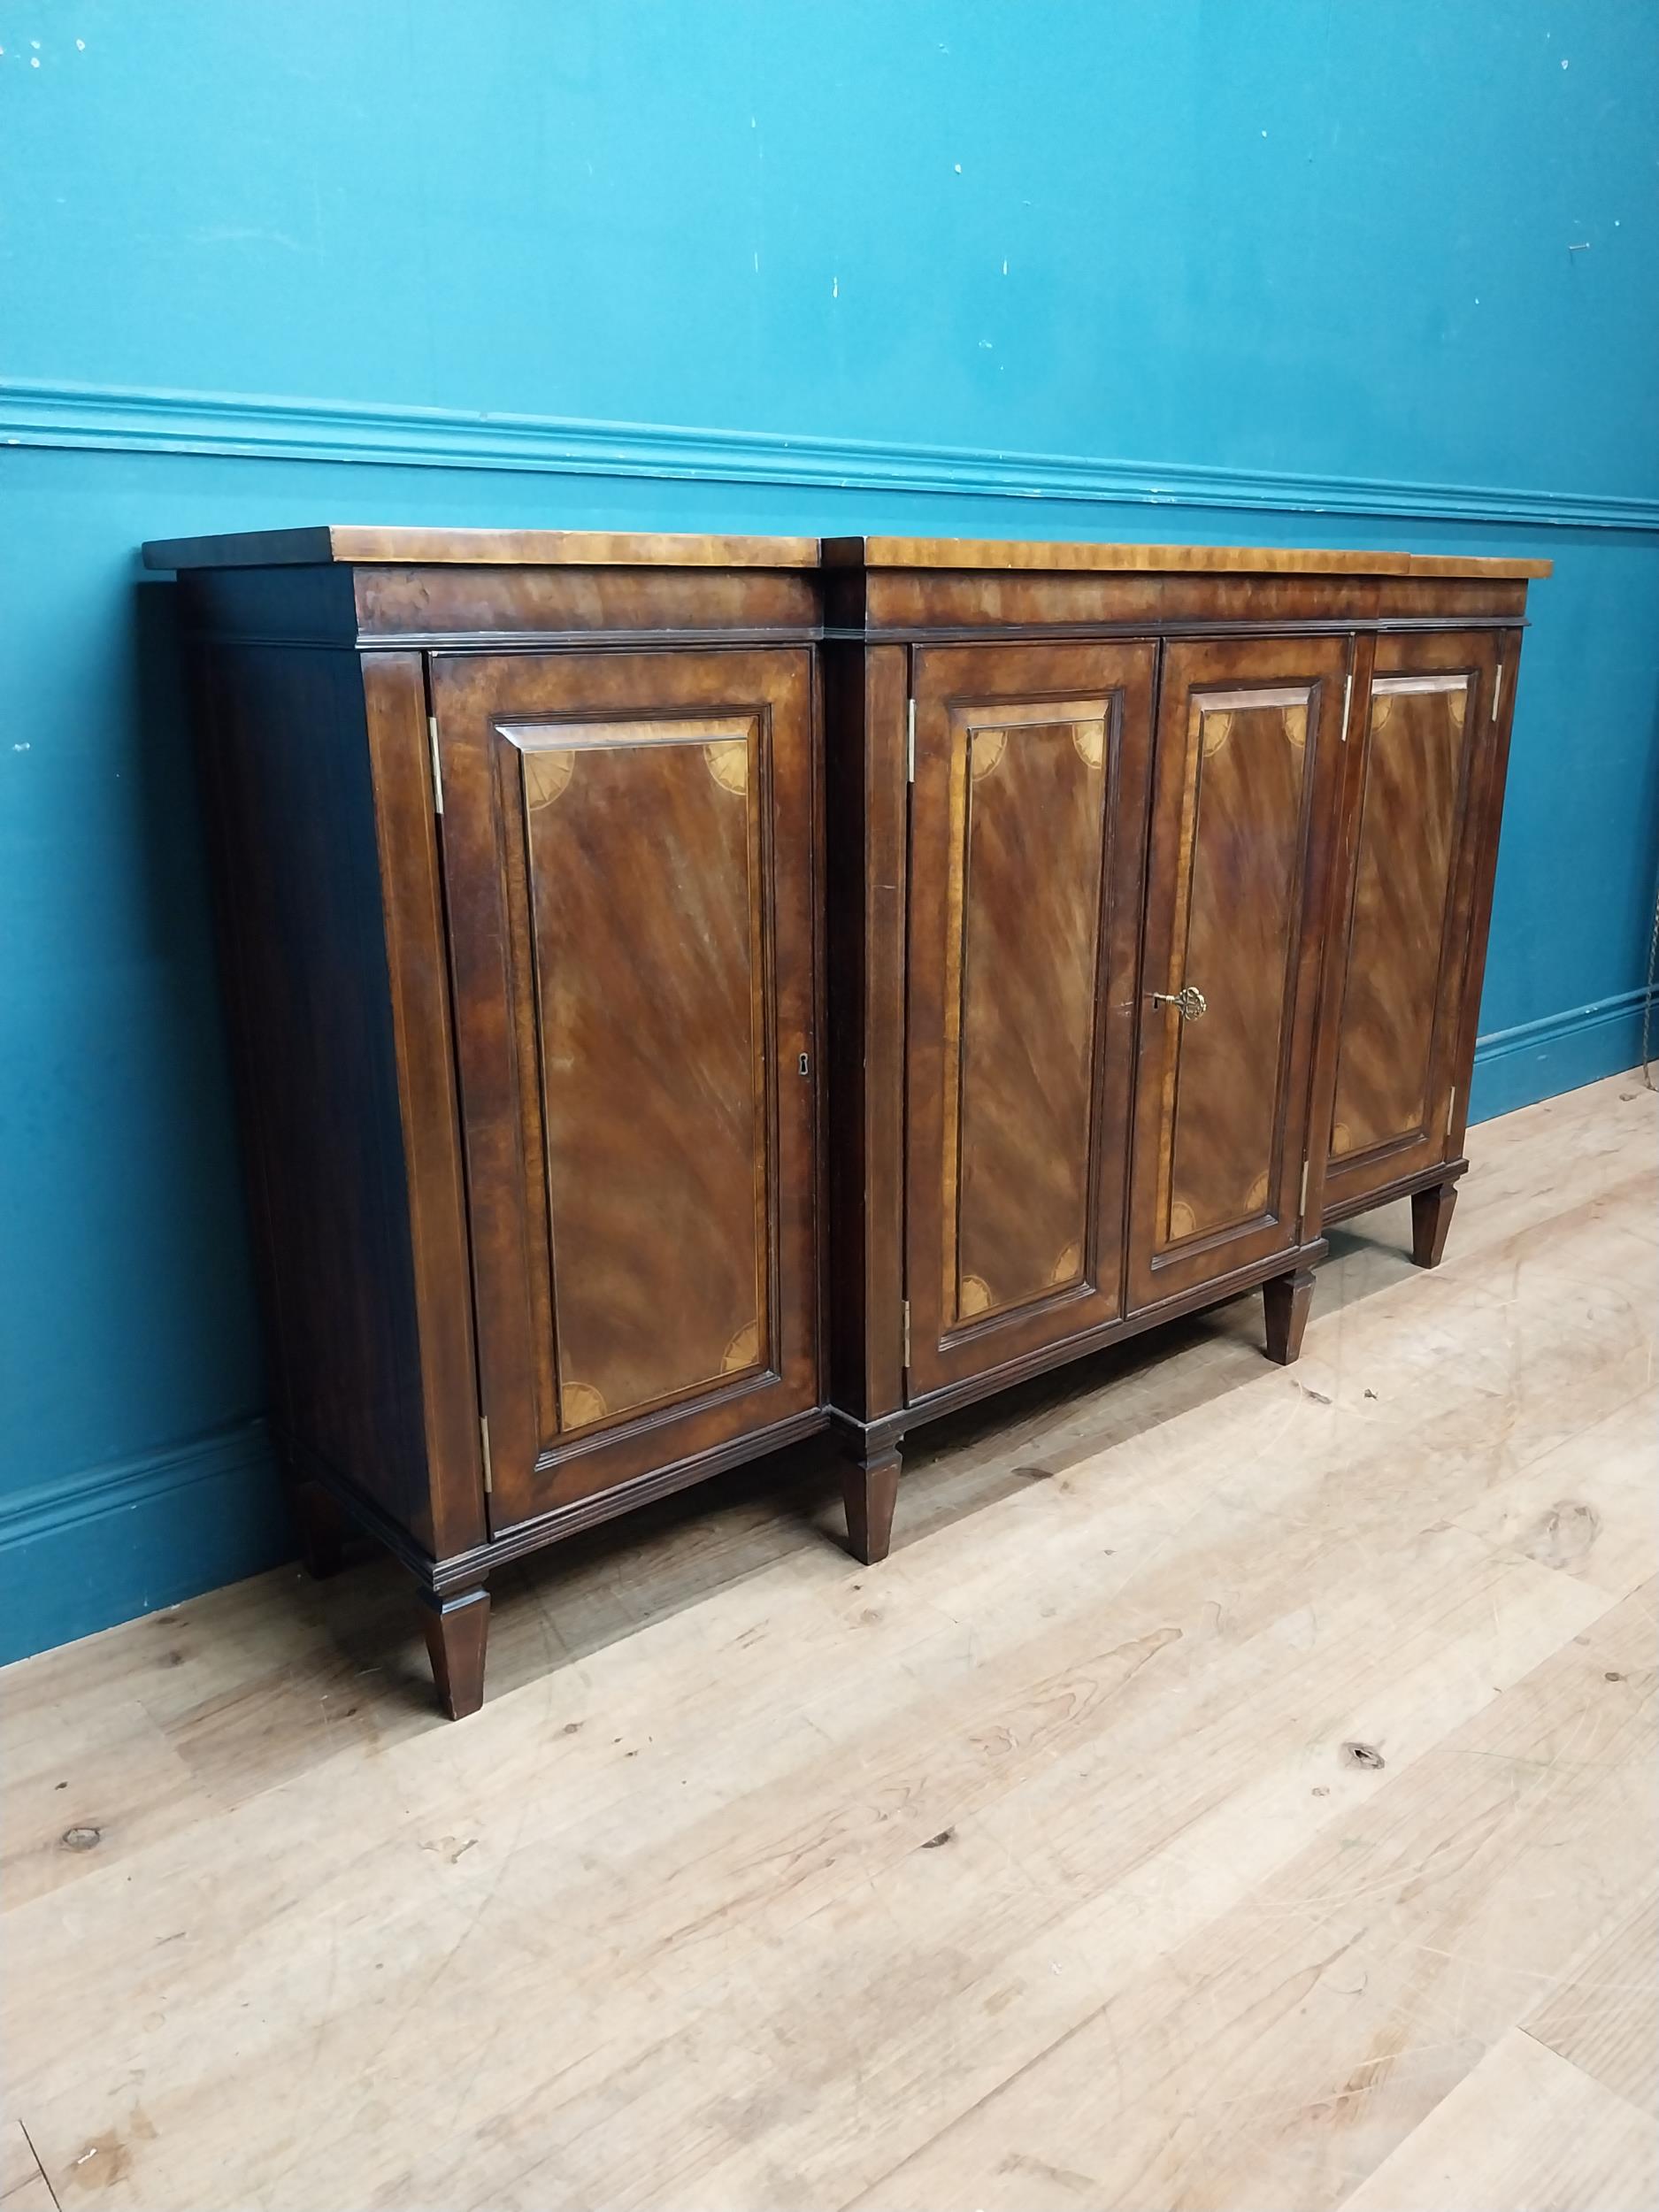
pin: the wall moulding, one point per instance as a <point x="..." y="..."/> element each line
<point x="100" y="417"/>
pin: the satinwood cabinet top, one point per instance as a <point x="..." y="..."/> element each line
<point x="348" y="543"/>
<point x="345" y="543"/>
<point x="984" y="553"/>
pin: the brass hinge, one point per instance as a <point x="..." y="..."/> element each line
<point x="437" y="769"/>
<point x="909" y="740"/>
<point x="1301" y="1216"/>
<point x="1347" y="702"/>
<point x="483" y="1431"/>
<point x="1451" y="1110"/>
<point x="1497" y="690"/>
<point x="907" y="1336"/>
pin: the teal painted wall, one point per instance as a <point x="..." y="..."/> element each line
<point x="1303" y="271"/>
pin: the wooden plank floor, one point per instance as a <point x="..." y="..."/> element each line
<point x="1237" y="1790"/>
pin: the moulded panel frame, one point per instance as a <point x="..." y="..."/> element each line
<point x="1349" y="1181"/>
<point x="951" y="683"/>
<point x="1162" y="1266"/>
<point x="539" y="1464"/>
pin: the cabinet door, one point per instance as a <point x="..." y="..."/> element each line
<point x="1404" y="910"/>
<point x="1026" y="828"/>
<point x="1243" y="821"/>
<point x="628" y="867"/>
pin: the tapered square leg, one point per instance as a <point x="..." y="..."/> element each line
<point x="322" y="1525"/>
<point x="457" y="1631"/>
<point x="870" y="1482"/>
<point x="1431" y="1218"/>
<point x="1285" y="1302"/>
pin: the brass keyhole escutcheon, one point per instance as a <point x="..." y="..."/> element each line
<point x="1189" y="1002"/>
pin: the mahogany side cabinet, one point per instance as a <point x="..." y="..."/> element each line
<point x="689" y="993"/>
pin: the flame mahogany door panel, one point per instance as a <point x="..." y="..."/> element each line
<point x="1243" y="821"/>
<point x="1028" y="825"/>
<point x="1404" y="910"/>
<point x="628" y="845"/>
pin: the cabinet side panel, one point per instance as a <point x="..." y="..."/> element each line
<point x="285" y="766"/>
<point x="1488" y="821"/>
<point x="283" y="605"/>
